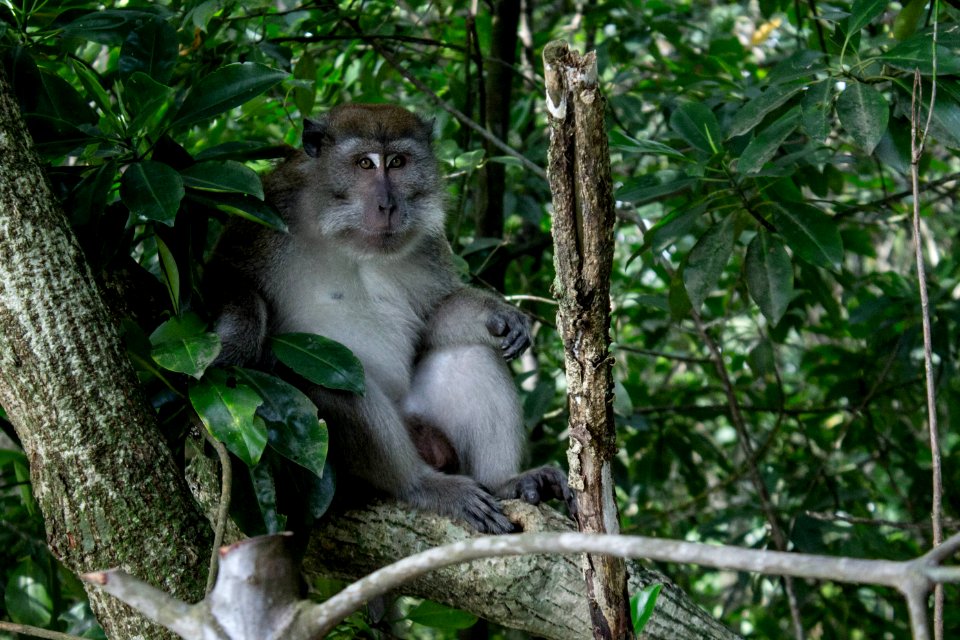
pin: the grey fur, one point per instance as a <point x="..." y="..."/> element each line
<point x="366" y="263"/>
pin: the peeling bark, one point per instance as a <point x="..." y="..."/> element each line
<point x="584" y="215"/>
<point x="106" y="483"/>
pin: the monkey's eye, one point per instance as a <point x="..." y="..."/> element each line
<point x="365" y="163"/>
<point x="396" y="162"/>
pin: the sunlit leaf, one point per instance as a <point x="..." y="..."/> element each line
<point x="695" y="123"/>
<point x="228" y="411"/>
<point x="294" y="430"/>
<point x="642" y="605"/>
<point x="438" y="616"/>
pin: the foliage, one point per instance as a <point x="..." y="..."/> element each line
<point x="762" y="153"/>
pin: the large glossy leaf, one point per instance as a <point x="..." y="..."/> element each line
<point x="707" y="260"/>
<point x="151" y="48"/>
<point x="228" y="411"/>
<point x="751" y="114"/>
<point x="320" y="360"/>
<point x="695" y="123"/>
<point x="642" y="605"/>
<point x="438" y="616"/>
<point x="27" y="595"/>
<point x="864" y="113"/>
<point x="769" y="275"/>
<point x="306" y="72"/>
<point x="244" y="206"/>
<point x="184" y="345"/>
<point x="672" y="226"/>
<point x="227" y="176"/>
<point x="293" y="429"/>
<point x="816" y="107"/>
<point x="224" y="89"/>
<point x="152" y="191"/>
<point x="812" y="234"/>
<point x="763" y="147"/>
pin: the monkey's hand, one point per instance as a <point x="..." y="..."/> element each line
<point x="543" y="483"/>
<point x="513" y="326"/>
<point x="461" y="498"/>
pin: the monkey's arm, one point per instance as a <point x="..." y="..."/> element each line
<point x="471" y="316"/>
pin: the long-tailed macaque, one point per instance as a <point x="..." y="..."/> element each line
<point x="366" y="263"/>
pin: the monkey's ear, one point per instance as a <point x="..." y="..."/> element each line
<point x="313" y="133"/>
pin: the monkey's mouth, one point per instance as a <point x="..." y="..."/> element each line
<point x="382" y="241"/>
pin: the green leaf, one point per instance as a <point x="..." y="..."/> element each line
<point x="242" y="150"/>
<point x="265" y="491"/>
<point x="642" y="605"/>
<point x="695" y="123"/>
<point x="862" y="12"/>
<point x="864" y="113"/>
<point x="228" y="411"/>
<point x="306" y="70"/>
<point x="293" y="429"/>
<point x="905" y="24"/>
<point x="243" y="206"/>
<point x="762" y="148"/>
<point x="91" y="83"/>
<point x="707" y="260"/>
<point x="437" y="616"/>
<point x="89" y="198"/>
<point x="227" y="176"/>
<point x="225" y="89"/>
<point x="147" y="101"/>
<point x="917" y="53"/>
<point x="110" y="26"/>
<point x="152" y="191"/>
<point x="320" y="360"/>
<point x="649" y="188"/>
<point x="27" y="596"/>
<point x="151" y="49"/>
<point x="751" y="114"/>
<point x="769" y="275"/>
<point x="816" y="107"/>
<point x="674" y="225"/>
<point x="811" y="233"/>
<point x="184" y="345"/>
<point x="623" y="142"/>
<point x="170" y="273"/>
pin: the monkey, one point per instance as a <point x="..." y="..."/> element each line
<point x="366" y="262"/>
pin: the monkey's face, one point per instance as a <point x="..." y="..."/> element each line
<point x="381" y="177"/>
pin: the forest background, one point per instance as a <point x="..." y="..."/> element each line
<point x="766" y="311"/>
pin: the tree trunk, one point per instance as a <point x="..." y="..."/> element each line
<point x="106" y="483"/>
<point x="544" y="595"/>
<point x="583" y="219"/>
<point x="499" y="89"/>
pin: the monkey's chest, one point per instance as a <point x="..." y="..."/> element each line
<point x="378" y="324"/>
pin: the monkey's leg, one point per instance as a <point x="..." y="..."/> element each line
<point x="369" y="440"/>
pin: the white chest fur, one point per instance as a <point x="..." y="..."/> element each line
<point x="358" y="302"/>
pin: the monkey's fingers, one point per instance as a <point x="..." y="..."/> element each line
<point x="483" y="513"/>
<point x="545" y="483"/>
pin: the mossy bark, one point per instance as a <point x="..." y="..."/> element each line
<point x="109" y="490"/>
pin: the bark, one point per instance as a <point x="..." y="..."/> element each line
<point x="107" y="485"/>
<point x="579" y="172"/>
<point x="544" y="595"/>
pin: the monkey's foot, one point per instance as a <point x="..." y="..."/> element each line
<point x="542" y="483"/>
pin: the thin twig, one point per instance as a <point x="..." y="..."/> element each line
<point x="36" y="632"/>
<point x="766" y="503"/>
<point x="223" y="511"/>
<point x="917" y="139"/>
